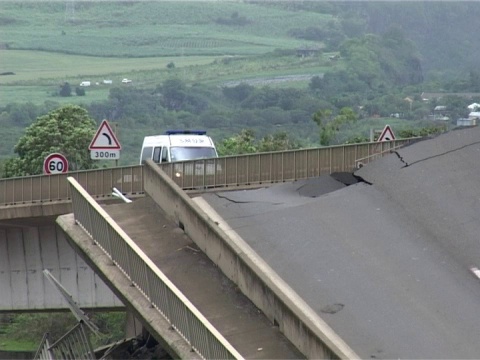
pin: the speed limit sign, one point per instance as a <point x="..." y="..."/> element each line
<point x="55" y="164"/>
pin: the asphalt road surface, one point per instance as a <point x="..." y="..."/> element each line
<point x="385" y="261"/>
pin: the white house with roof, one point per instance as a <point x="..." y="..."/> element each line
<point x="474" y="115"/>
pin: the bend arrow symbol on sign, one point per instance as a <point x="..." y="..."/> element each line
<point x="108" y="137"/>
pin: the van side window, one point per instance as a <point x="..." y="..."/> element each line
<point x="156" y="155"/>
<point x="165" y="154"/>
<point x="146" y="153"/>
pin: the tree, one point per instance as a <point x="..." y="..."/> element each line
<point x="245" y="143"/>
<point x="276" y="142"/>
<point x="329" y="127"/>
<point x="79" y="91"/>
<point x="65" y="90"/>
<point x="321" y="118"/>
<point x="67" y="130"/>
<point x="174" y="93"/>
<point x="238" y="93"/>
<point x="242" y="143"/>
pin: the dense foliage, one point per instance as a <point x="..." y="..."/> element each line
<point x="331" y="126"/>
<point x="246" y="143"/>
<point x="378" y="65"/>
<point x="67" y="130"/>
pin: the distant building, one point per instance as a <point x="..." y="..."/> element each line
<point x="308" y="51"/>
<point x="466" y="122"/>
<point x="474" y="115"/>
<point x="440" y="113"/>
<point x="473" y="107"/>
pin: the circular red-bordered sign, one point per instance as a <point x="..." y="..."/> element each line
<point x="55" y="164"/>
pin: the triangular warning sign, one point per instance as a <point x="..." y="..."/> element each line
<point x="387" y="134"/>
<point x="105" y="138"/>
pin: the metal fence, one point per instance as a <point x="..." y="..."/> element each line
<point x="148" y="279"/>
<point x="272" y="167"/>
<point x="46" y="188"/>
<point x="227" y="171"/>
<point x="75" y="344"/>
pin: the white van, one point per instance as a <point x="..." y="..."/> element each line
<point x="85" y="83"/>
<point x="178" y="145"/>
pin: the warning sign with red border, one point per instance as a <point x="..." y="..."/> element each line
<point x="105" y="145"/>
<point x="387" y="134"/>
<point x="105" y="138"/>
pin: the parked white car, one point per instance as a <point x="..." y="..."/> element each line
<point x="126" y="81"/>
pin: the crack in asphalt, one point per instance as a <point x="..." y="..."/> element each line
<point x="246" y="202"/>
<point x="445" y="153"/>
<point x="401" y="158"/>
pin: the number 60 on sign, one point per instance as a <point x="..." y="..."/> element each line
<point x="55" y="164"/>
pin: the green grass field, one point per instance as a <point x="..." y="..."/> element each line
<point x="48" y="43"/>
<point x="157" y="28"/>
<point x="43" y="67"/>
<point x="38" y="75"/>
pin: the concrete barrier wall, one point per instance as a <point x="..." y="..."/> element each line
<point x="300" y="324"/>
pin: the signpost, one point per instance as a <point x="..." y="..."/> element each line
<point x="55" y="163"/>
<point x="104" y="145"/>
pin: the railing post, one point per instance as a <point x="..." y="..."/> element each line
<point x="318" y="162"/>
<point x="189" y="329"/>
<point x="148" y="284"/>
<point x="236" y="169"/>
<point x="294" y="165"/>
<point x="306" y="167"/>
<point x="109" y="244"/>
<point x="89" y="211"/>
<point x="271" y="166"/>
<point x="248" y="168"/>
<point x="330" y="159"/>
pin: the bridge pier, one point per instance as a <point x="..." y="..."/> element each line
<point x="133" y="326"/>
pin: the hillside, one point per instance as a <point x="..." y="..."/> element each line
<point x="209" y="45"/>
<point x="146" y="29"/>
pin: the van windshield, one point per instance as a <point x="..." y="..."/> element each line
<point x="192" y="153"/>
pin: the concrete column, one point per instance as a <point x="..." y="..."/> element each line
<point x="133" y="326"/>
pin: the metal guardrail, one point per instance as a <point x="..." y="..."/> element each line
<point x="147" y="278"/>
<point x="47" y="188"/>
<point x="75" y="344"/>
<point x="230" y="171"/>
<point x="271" y="167"/>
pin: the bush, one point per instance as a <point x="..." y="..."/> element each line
<point x="65" y="90"/>
<point x="32" y="327"/>
<point x="79" y="91"/>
